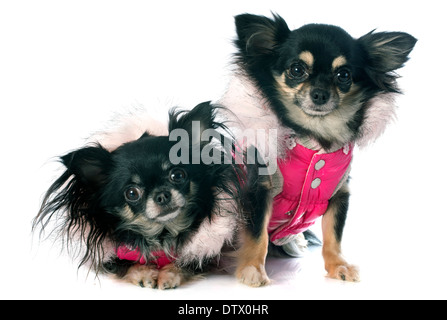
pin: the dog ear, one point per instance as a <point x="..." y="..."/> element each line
<point x="194" y="132"/>
<point x="90" y="165"/>
<point x="73" y="202"/>
<point x="386" y="52"/>
<point x="259" y="35"/>
<point x="144" y="135"/>
<point x="194" y="122"/>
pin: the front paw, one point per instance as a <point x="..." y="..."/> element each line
<point x="344" y="271"/>
<point x="253" y="276"/>
<point x="144" y="276"/>
<point x="171" y="277"/>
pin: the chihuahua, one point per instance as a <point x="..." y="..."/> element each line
<point x="322" y="92"/>
<point x="154" y="211"/>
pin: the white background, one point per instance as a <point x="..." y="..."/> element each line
<point x="66" y="67"/>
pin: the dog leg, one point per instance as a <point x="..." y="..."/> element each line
<point x="251" y="260"/>
<point x="257" y="206"/>
<point x="333" y="224"/>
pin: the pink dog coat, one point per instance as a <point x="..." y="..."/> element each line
<point x="124" y="253"/>
<point x="310" y="179"/>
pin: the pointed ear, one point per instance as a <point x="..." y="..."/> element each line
<point x="144" y="135"/>
<point x="194" y="122"/>
<point x="90" y="165"/>
<point x="259" y="35"/>
<point x="387" y="51"/>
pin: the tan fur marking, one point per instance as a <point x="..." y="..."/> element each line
<point x="171" y="276"/>
<point x="251" y="256"/>
<point x="127" y="213"/>
<point x="136" y="179"/>
<point x="148" y="276"/>
<point x="288" y="91"/>
<point x="335" y="264"/>
<point x="251" y="261"/>
<point x="308" y="58"/>
<point x="142" y="275"/>
<point x="338" y="62"/>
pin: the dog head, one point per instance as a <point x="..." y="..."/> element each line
<point x="318" y="73"/>
<point x="144" y="194"/>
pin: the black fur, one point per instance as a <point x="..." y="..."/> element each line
<point x="267" y="48"/>
<point x="341" y="203"/>
<point x="257" y="195"/>
<point x="93" y="206"/>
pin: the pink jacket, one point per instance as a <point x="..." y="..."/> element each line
<point x="310" y="180"/>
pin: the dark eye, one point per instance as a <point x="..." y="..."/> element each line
<point x="177" y="175"/>
<point x="298" y="71"/>
<point x="133" y="194"/>
<point x="344" y="76"/>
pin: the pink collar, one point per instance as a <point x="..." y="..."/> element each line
<point x="161" y="259"/>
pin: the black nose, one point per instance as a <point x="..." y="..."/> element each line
<point x="320" y="96"/>
<point x="163" y="198"/>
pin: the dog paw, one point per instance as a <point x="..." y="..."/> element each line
<point x="142" y="275"/>
<point x="253" y="276"/>
<point x="170" y="277"/>
<point x="345" y="272"/>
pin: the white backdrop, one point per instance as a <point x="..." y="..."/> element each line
<point x="66" y="67"/>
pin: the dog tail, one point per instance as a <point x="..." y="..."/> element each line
<point x="297" y="247"/>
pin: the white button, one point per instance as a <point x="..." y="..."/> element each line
<point x="320" y="164"/>
<point x="315" y="183"/>
<point x="346" y="149"/>
<point x="291" y="143"/>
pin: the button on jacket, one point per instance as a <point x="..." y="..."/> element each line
<point x="310" y="179"/>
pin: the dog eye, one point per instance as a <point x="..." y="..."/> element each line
<point x="298" y="72"/>
<point x="177" y="175"/>
<point x="133" y="194"/>
<point x="344" y="76"/>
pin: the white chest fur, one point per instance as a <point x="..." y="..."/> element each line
<point x="211" y="236"/>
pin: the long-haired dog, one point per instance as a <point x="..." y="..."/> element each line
<point x="321" y="92"/>
<point x="155" y="210"/>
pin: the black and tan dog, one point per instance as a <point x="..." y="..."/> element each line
<point x="321" y="92"/>
<point x="150" y="208"/>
